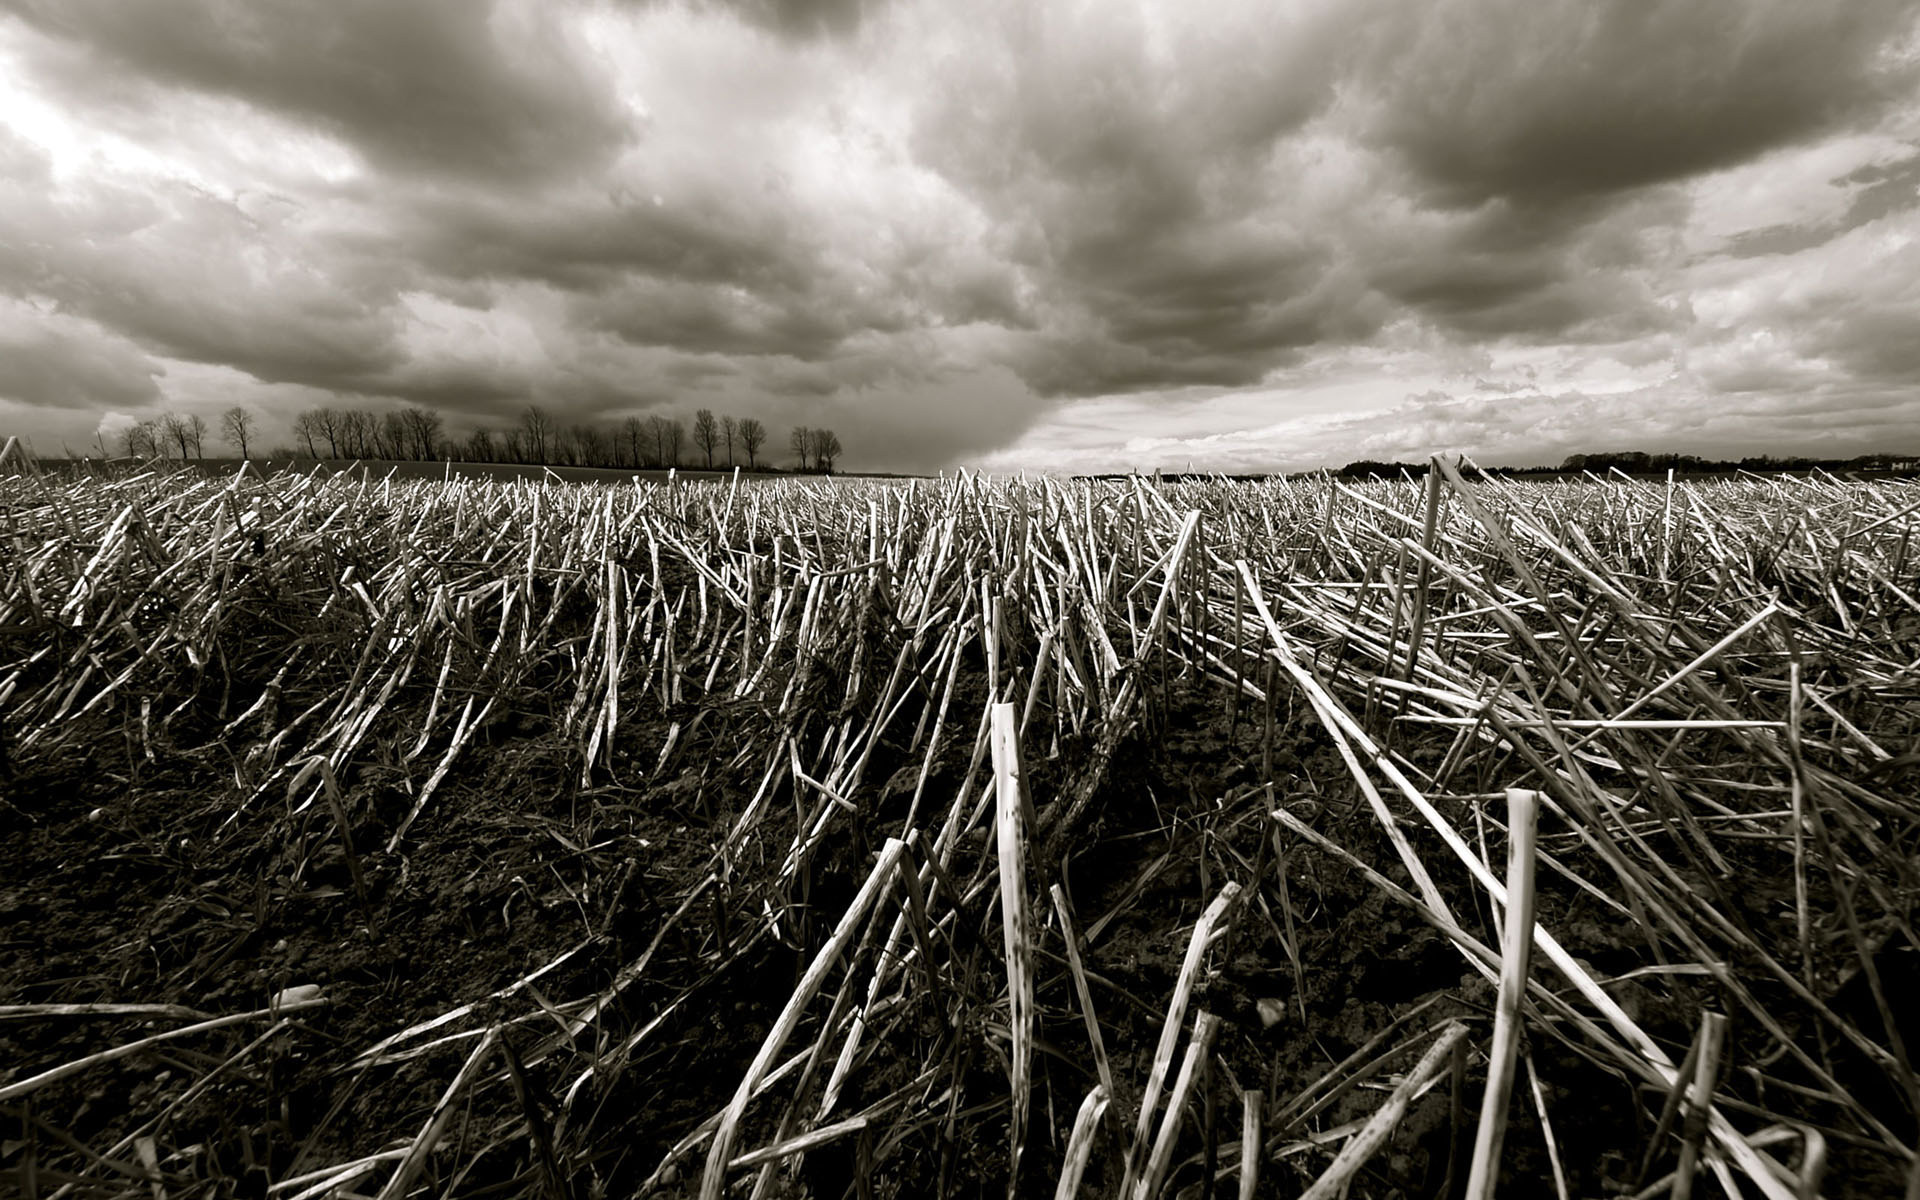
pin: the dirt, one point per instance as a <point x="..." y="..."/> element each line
<point x="129" y="879"/>
<point x="122" y="885"/>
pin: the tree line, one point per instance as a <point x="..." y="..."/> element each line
<point x="1636" y="462"/>
<point x="655" y="442"/>
<point x="176" y="435"/>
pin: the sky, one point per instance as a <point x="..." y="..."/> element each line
<point x="1008" y="234"/>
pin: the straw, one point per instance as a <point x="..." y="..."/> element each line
<point x="1364" y="1144"/>
<point x="1516" y="948"/>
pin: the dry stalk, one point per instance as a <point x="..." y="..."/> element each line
<point x="1368" y="1140"/>
<point x="1516" y="950"/>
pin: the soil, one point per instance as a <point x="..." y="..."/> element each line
<point x="128" y="877"/>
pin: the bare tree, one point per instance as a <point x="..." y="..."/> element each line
<point x="666" y="437"/>
<point x="633" y="431"/>
<point x="652" y="441"/>
<point x="330" y="428"/>
<point x="729" y="429"/>
<point x="236" y="426"/>
<point x="826" y="448"/>
<point x="392" y="441"/>
<point x="357" y="433"/>
<point x="633" y="434"/>
<point x="800" y="441"/>
<point x="306" y="427"/>
<point x="141" y="439"/>
<point x="173" y="428"/>
<point x="589" y="446"/>
<point x="753" y="435"/>
<point x="323" y="430"/>
<point x="706" y="434"/>
<point x="479" y="447"/>
<point x="423" y="431"/>
<point x="536" y="429"/>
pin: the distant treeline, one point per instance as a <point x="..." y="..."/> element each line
<point x="1634" y="462"/>
<point x="420" y="434"/>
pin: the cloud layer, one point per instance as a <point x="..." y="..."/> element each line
<point x="1046" y="236"/>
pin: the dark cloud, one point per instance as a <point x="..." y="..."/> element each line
<point x="446" y="86"/>
<point x="1236" y="289"/>
<point x="926" y="421"/>
<point x="1530" y="275"/>
<point x="458" y="389"/>
<point x="47" y="366"/>
<point x="1128" y="176"/>
<point x="702" y="269"/>
<point x="1868" y="326"/>
<point x="1470" y="273"/>
<point x="589" y="241"/>
<point x="704" y="272"/>
<point x="320" y="340"/>
<point x="1546" y="99"/>
<point x="1057" y="366"/>
<point x="1155" y="200"/>
<point x="1208" y="307"/>
<point x="191" y="277"/>
<point x="706" y="320"/>
<point x="1779" y="239"/>
<point x="1882" y="344"/>
<point x="800" y="19"/>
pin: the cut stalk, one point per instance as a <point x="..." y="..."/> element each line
<point x="1015" y="923"/>
<point x="1250" y="1136"/>
<point x="1364" y="1144"/>
<point x="1706" y="1072"/>
<point x="720" y="1152"/>
<point x="1198" y="1048"/>
<point x="1081" y="989"/>
<point x="1080" y="1143"/>
<point x="1203" y="930"/>
<point x="1516" y="948"/>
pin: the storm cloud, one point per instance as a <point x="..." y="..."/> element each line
<point x="467" y="87"/>
<point x="1022" y="235"/>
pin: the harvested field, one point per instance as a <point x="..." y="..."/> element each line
<point x="957" y="838"/>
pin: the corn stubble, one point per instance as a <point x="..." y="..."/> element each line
<point x="1698" y="687"/>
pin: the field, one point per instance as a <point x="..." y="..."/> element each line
<point x="957" y="838"/>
